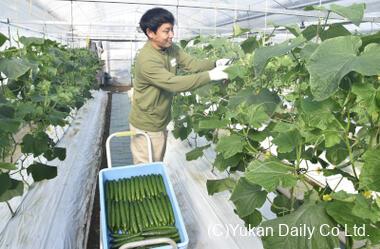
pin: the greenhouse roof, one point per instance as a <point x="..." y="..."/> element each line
<point x="118" y="19"/>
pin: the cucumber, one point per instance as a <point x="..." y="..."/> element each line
<point x="153" y="183"/>
<point x="170" y="208"/>
<point x="116" y="190"/>
<point x="111" y="190"/>
<point x="107" y="190"/>
<point x="113" y="216"/>
<point x="143" y="214"/>
<point x="128" y="240"/>
<point x="150" y="209"/>
<point x="165" y="228"/>
<point x="134" y="189"/>
<point x="139" y="220"/>
<point x="165" y="209"/>
<point x="141" y="185"/>
<point x="133" y="225"/>
<point x="118" y="237"/>
<point x="109" y="214"/>
<point x="162" y="233"/>
<point x="146" y="187"/>
<point x="124" y="189"/>
<point x="126" y="212"/>
<point x="156" y="211"/>
<point x="128" y="186"/>
<point x="148" y="213"/>
<point x="162" y="184"/>
<point x="156" y="182"/>
<point x="118" y="218"/>
<point x="161" y="209"/>
<point x="150" y="187"/>
<point x="122" y="217"/>
<point x="120" y="189"/>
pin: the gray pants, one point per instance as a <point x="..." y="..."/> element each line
<point x="139" y="146"/>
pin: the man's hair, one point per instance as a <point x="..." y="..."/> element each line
<point x="154" y="18"/>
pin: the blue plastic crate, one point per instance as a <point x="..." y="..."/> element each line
<point x="138" y="170"/>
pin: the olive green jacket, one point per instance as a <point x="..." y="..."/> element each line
<point x="156" y="82"/>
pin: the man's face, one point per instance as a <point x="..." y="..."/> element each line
<point x="163" y="38"/>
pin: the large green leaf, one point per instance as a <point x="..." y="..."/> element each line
<point x="230" y="145"/>
<point x="13" y="67"/>
<point x="196" y="153"/>
<point x="310" y="32"/>
<point x="9" y="125"/>
<point x="308" y="50"/>
<point x="222" y="164"/>
<point x="336" y="57"/>
<point x="3" y="39"/>
<point x="7" y="166"/>
<point x="250" y="45"/>
<point x="263" y="54"/>
<point x="247" y="196"/>
<point x="290" y="231"/>
<point x="27" y="41"/>
<point x="318" y="114"/>
<point x="366" y="209"/>
<point x="337" y="153"/>
<point x="216" y="186"/>
<point x="236" y="71"/>
<point x="212" y="123"/>
<point x="370" y="174"/>
<point x="287" y="141"/>
<point x="36" y="144"/>
<point x="55" y="152"/>
<point x="252" y="220"/>
<point x="342" y="213"/>
<point x="354" y="12"/>
<point x="366" y="94"/>
<point x="5" y="182"/>
<point x="334" y="30"/>
<point x="294" y="29"/>
<point x="41" y="171"/>
<point x="256" y="116"/>
<point x="367" y="39"/>
<point x="238" y="31"/>
<point x="270" y="174"/>
<point x="16" y="188"/>
<point x="265" y="97"/>
<point x="183" y="43"/>
<point x="282" y="205"/>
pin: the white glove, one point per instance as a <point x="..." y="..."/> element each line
<point x="218" y="74"/>
<point x="222" y="62"/>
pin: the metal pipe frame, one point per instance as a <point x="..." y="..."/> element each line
<point x="218" y="6"/>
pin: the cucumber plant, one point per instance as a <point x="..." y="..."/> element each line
<point x="307" y="106"/>
<point x="41" y="83"/>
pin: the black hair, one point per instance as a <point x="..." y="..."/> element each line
<point x="154" y="18"/>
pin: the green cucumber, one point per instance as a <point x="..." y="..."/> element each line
<point x="170" y="208"/>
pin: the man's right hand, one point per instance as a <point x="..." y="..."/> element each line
<point x="218" y="74"/>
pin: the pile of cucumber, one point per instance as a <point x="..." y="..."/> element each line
<point x="139" y="208"/>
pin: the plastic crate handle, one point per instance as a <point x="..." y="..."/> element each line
<point x="126" y="134"/>
<point x="149" y="242"/>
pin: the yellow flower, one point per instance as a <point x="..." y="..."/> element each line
<point x="367" y="194"/>
<point x="327" y="197"/>
<point x="267" y="155"/>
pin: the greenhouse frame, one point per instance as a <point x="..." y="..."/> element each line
<point x="190" y="124"/>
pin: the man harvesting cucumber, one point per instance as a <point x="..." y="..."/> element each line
<point x="156" y="82"/>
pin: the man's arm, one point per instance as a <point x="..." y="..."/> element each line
<point x="154" y="73"/>
<point x="191" y="64"/>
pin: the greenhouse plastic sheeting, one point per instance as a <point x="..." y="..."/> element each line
<point x="54" y="213"/>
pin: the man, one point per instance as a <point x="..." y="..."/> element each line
<point x="156" y="82"/>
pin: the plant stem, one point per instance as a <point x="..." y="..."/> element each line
<point x="10" y="208"/>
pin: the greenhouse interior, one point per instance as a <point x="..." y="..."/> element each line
<point x="190" y="124"/>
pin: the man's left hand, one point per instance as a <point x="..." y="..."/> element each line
<point x="222" y="62"/>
